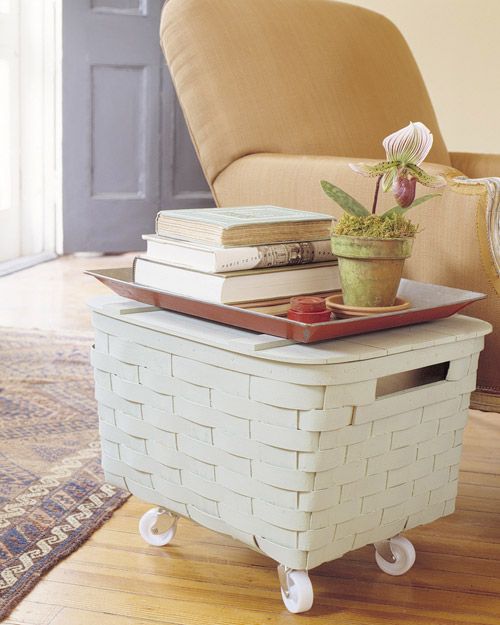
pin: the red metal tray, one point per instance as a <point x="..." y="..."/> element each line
<point x="428" y="301"/>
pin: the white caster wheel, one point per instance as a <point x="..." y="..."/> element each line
<point x="296" y="589"/>
<point x="395" y="556"/>
<point x="158" y="526"/>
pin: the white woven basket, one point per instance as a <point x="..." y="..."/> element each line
<point x="287" y="449"/>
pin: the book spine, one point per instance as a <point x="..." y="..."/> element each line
<point x="134" y="263"/>
<point x="277" y="255"/>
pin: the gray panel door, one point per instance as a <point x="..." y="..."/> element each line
<point x="126" y="149"/>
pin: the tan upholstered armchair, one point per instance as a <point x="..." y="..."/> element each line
<point x="279" y="94"/>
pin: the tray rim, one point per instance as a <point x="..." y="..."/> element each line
<point x="281" y="326"/>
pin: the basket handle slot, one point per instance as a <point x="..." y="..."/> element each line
<point x="406" y="380"/>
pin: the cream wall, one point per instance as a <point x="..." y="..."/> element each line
<point x="457" y="46"/>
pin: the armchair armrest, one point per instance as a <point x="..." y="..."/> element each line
<point x="476" y="165"/>
<point x="482" y="177"/>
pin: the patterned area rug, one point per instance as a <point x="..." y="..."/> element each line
<point x="52" y="491"/>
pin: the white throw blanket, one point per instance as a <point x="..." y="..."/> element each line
<point x="492" y="213"/>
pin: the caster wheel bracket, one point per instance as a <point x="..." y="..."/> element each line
<point x="283" y="572"/>
<point x="165" y="521"/>
<point x="383" y="548"/>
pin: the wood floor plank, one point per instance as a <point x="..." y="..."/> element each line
<point x="478" y="504"/>
<point x="72" y="616"/>
<point x="178" y="579"/>
<point x="138" y="605"/>
<point x="483" y="479"/>
<point x="450" y="572"/>
<point x="489" y="493"/>
<point x="32" y="613"/>
<point x="223" y="572"/>
<point x="221" y="609"/>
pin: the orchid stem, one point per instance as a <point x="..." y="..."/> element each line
<point x="375" y="198"/>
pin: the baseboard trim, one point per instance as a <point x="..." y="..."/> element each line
<point x="18" y="264"/>
<point x="488" y="402"/>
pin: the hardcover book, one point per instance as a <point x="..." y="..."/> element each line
<point x="239" y="226"/>
<point x="216" y="259"/>
<point x="237" y="286"/>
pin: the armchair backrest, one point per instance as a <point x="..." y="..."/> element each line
<point x="313" y="77"/>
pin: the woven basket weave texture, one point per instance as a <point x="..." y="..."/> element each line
<point x="302" y="462"/>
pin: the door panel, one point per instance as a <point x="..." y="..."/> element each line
<point x="120" y="7"/>
<point x="118" y="132"/>
<point x="126" y="149"/>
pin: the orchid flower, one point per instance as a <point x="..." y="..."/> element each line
<point x="405" y="150"/>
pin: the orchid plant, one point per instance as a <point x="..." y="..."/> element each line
<point x="405" y="149"/>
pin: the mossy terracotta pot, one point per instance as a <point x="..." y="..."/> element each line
<point x="370" y="269"/>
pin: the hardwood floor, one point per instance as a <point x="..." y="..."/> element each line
<point x="52" y="295"/>
<point x="204" y="578"/>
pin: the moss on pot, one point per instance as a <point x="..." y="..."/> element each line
<point x="375" y="226"/>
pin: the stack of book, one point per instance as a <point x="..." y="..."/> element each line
<point x="239" y="255"/>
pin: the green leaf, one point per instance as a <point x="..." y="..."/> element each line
<point x="344" y="200"/>
<point x="400" y="210"/>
